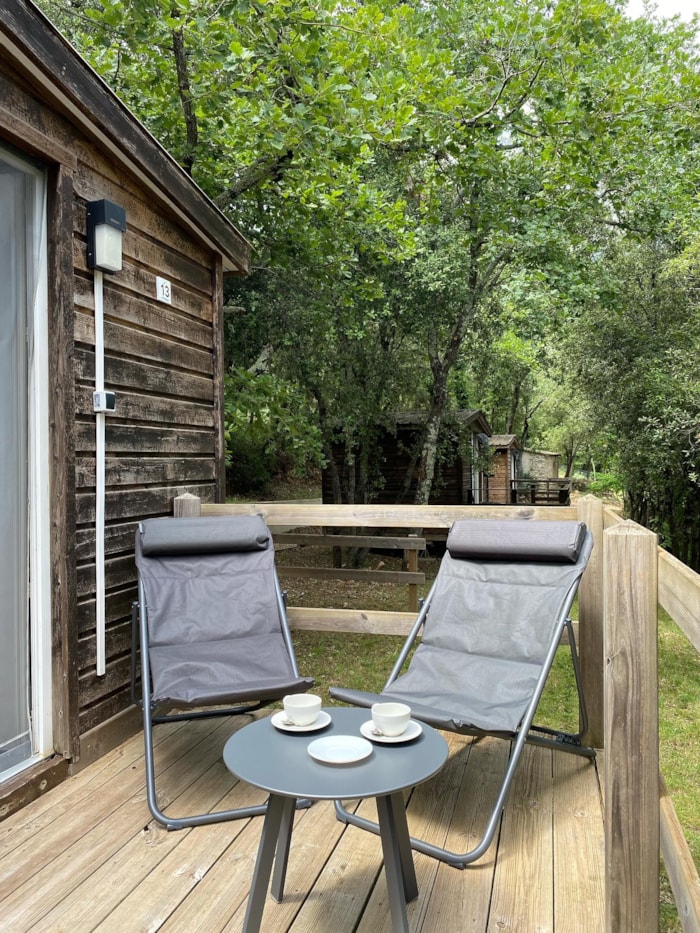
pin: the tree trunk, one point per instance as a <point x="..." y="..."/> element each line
<point x="441" y="368"/>
<point x="186" y="99"/>
<point x="514" y="404"/>
<point x="431" y="437"/>
<point x="426" y="474"/>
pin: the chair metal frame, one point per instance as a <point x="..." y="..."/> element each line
<point x="149" y="707"/>
<point x="527" y="732"/>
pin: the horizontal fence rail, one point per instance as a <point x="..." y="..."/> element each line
<point x="540" y="491"/>
<point x="411" y="546"/>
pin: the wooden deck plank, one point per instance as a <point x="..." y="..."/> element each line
<point x="340" y="894"/>
<point x="105" y="865"/>
<point x="172" y="880"/>
<point x="522" y="890"/>
<point x="460" y="900"/>
<point x="430" y="811"/>
<point x="132" y="867"/>
<point x="80" y="817"/>
<point x="49" y="808"/>
<point x="73" y="849"/>
<point x="579" y="851"/>
<point x="222" y="893"/>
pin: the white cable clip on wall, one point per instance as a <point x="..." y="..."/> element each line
<point x="105" y="224"/>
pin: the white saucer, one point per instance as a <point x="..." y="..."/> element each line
<point x="280" y="721"/>
<point x="413" y="730"/>
<point x="339" y="749"/>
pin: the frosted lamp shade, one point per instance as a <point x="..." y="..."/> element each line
<point x="108" y="248"/>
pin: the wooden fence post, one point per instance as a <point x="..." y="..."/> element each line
<point x="631" y="730"/>
<point x="590" y="613"/>
<point x="187" y="506"/>
<point x="412" y="563"/>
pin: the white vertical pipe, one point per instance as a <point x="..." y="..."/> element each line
<point x="99" y="479"/>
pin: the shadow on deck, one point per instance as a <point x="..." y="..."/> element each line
<point x="87" y="857"/>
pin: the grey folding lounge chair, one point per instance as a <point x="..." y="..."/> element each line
<point x="213" y="630"/>
<point x="489" y="629"/>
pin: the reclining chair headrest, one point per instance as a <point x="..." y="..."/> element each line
<point x="516" y="540"/>
<point x="162" y="537"/>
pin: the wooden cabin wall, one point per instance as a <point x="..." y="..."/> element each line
<point x="164" y="363"/>
<point x="453" y="485"/>
<point x="165" y="435"/>
<point x="499" y="478"/>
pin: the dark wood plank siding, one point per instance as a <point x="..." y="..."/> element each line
<point x="164" y="436"/>
<point x="165" y="364"/>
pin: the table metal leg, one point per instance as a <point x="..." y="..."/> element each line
<point x="408" y="870"/>
<point x="263" y="863"/>
<point x="282" y="856"/>
<point x="398" y="859"/>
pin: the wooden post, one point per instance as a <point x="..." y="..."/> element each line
<point x="187" y="506"/>
<point x="631" y="730"/>
<point x="412" y="556"/>
<point x="590" y="613"/>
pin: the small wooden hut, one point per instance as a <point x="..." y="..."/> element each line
<point x="461" y="478"/>
<point x="66" y="142"/>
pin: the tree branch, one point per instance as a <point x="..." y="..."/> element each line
<point x="263" y="169"/>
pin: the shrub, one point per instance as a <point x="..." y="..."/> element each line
<point x="270" y="429"/>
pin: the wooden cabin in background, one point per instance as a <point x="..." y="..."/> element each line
<point x="66" y="141"/>
<point x="525" y="477"/>
<point x="461" y="477"/>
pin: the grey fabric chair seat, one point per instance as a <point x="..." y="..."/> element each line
<point x="223" y="671"/>
<point x="212" y="627"/>
<point x="434" y="688"/>
<point x="486" y="638"/>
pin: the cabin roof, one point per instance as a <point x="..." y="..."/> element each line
<point x="35" y="48"/>
<point x="464" y="416"/>
<point x="504" y="440"/>
<point x="541" y="453"/>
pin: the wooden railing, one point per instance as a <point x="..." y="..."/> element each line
<point x="410" y="546"/>
<point x="540" y="491"/>
<point x="628" y="576"/>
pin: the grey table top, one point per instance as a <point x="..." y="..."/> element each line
<point x="279" y="762"/>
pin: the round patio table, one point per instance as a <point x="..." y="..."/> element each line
<point x="279" y="762"/>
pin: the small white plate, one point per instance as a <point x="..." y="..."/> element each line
<point x="412" y="731"/>
<point x="339" y="749"/>
<point x="280" y="721"/>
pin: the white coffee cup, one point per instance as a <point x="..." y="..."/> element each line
<point x="391" y="719"/>
<point x="302" y="709"/>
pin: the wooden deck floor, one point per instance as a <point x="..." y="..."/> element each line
<point x="87" y="857"/>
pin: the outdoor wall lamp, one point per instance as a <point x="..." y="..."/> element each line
<point x="105" y="224"/>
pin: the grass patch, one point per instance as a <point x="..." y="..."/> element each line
<point x="679" y="746"/>
<point x="346" y="660"/>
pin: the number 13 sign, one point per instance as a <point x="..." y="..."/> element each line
<point x="163" y="290"/>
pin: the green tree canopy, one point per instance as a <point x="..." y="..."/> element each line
<point x="634" y="361"/>
<point x="431" y="189"/>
